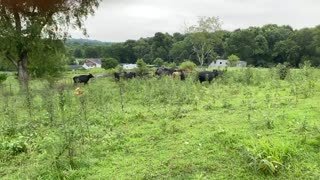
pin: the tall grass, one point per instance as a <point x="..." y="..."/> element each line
<point x="247" y="124"/>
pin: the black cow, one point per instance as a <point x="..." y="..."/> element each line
<point x="209" y="76"/>
<point x="117" y="75"/>
<point x="125" y="75"/>
<point x="130" y="75"/>
<point x="164" y="71"/>
<point x="82" y="78"/>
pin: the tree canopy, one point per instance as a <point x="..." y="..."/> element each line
<point x="25" y="24"/>
<point x="259" y="46"/>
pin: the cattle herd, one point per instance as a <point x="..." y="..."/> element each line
<point x="202" y="76"/>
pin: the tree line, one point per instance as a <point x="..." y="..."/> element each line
<point x="33" y="36"/>
<point x="263" y="46"/>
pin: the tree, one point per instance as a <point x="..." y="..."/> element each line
<point x="287" y="51"/>
<point x="26" y="23"/>
<point x="275" y="33"/>
<point x="128" y="51"/>
<point x="142" y="67"/>
<point x="142" y="49"/>
<point x="205" y="24"/>
<point x="261" y="53"/>
<point x="91" y="52"/>
<point x="181" y="50"/>
<point x="53" y="53"/>
<point x="109" y="63"/>
<point x="233" y="60"/>
<point x="202" y="46"/>
<point x="243" y="44"/>
<point x="158" y="61"/>
<point x="78" y="53"/>
<point x="161" y="45"/>
<point x="199" y="36"/>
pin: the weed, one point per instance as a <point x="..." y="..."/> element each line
<point x="269" y="165"/>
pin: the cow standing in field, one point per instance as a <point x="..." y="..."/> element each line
<point x="129" y="75"/>
<point x="125" y="75"/>
<point x="117" y="75"/>
<point x="179" y="74"/>
<point x="171" y="72"/>
<point x="82" y="78"/>
<point x="164" y="71"/>
<point x="209" y="76"/>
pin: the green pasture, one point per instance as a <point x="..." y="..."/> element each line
<point x="248" y="124"/>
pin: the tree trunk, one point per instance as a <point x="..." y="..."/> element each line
<point x="23" y="75"/>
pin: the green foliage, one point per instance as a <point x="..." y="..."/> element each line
<point x="306" y="69"/>
<point x="187" y="65"/>
<point x="205" y="24"/>
<point x="161" y="44"/>
<point x="109" y="63"/>
<point x="269" y="166"/>
<point x="51" y="62"/>
<point x="34" y="23"/>
<point x="283" y="70"/>
<point x="186" y="130"/>
<point x="287" y="51"/>
<point x="91" y="52"/>
<point x="3" y="77"/>
<point x="181" y="50"/>
<point x="78" y="53"/>
<point x="202" y="45"/>
<point x="142" y="67"/>
<point x="264" y="46"/>
<point x="233" y="60"/>
<point x="158" y="61"/>
<point x="171" y="65"/>
<point x="15" y="146"/>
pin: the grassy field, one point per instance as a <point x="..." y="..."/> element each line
<point x="248" y="124"/>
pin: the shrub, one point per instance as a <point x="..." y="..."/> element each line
<point x="109" y="63"/>
<point x="233" y="60"/>
<point x="283" y="70"/>
<point x="142" y="67"/>
<point x="3" y="77"/>
<point x="187" y="65"/>
<point x="158" y="61"/>
<point x="15" y="146"/>
<point x="171" y="65"/>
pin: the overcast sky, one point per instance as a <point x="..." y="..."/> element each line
<point x="120" y="20"/>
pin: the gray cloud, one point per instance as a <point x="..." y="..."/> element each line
<point x="119" y="20"/>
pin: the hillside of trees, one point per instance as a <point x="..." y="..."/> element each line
<point x="72" y="41"/>
<point x="264" y="46"/>
<point x="259" y="46"/>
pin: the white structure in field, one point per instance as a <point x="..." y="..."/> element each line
<point x="224" y="63"/>
<point x="129" y="66"/>
<point x="92" y="63"/>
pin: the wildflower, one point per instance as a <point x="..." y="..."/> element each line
<point x="78" y="91"/>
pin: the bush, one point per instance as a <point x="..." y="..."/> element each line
<point x="109" y="63"/>
<point x="142" y="67"/>
<point x="3" y="77"/>
<point x="283" y="70"/>
<point x="158" y="61"/>
<point x="233" y="60"/>
<point x="187" y="65"/>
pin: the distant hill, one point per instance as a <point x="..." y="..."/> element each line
<point x="87" y="41"/>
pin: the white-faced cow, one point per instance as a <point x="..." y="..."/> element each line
<point x="179" y="74"/>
